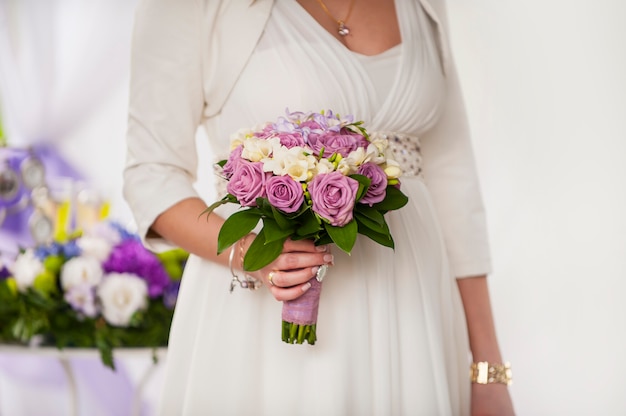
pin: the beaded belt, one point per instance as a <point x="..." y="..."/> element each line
<point x="405" y="149"/>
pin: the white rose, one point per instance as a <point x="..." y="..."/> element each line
<point x="81" y="270"/>
<point x="96" y="247"/>
<point x="121" y="295"/>
<point x="25" y="269"/>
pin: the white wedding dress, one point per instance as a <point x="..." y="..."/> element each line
<point x="391" y="333"/>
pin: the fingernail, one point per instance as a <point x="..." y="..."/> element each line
<point x="306" y="286"/>
<point x="321" y="248"/>
<point x="314" y="269"/>
<point x="329" y="258"/>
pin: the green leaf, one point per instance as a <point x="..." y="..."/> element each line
<point x="394" y="199"/>
<point x="282" y="221"/>
<point x="260" y="253"/>
<point x="105" y="348"/>
<point x="273" y="231"/>
<point x="235" y="227"/>
<point x="344" y="237"/>
<point x="310" y="224"/>
<point x="371" y="213"/>
<point x="227" y="199"/>
<point x="383" y="239"/>
<point x="364" y="184"/>
<point x="364" y="221"/>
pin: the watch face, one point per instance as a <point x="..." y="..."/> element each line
<point x="9" y="183"/>
<point x="41" y="227"/>
<point x="33" y="172"/>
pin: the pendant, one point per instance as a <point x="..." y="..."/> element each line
<point x="343" y="29"/>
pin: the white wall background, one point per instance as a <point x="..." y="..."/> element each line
<point x="546" y="94"/>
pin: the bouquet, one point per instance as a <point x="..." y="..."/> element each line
<point x="102" y="289"/>
<point x="312" y="176"/>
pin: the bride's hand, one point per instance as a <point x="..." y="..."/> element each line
<point x="288" y="276"/>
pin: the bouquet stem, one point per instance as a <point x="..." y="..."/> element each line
<point x="300" y="316"/>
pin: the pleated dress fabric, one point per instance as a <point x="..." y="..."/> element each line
<point x="391" y="334"/>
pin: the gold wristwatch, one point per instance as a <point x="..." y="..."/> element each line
<point x="485" y="373"/>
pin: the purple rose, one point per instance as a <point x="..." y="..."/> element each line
<point x="284" y="193"/>
<point x="333" y="196"/>
<point x="248" y="183"/>
<point x="311" y="125"/>
<point x="290" y="140"/>
<point x="378" y="187"/>
<point x="233" y="161"/>
<point x="342" y="142"/>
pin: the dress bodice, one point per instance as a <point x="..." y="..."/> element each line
<point x="300" y="66"/>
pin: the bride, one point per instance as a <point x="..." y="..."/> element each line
<point x="398" y="330"/>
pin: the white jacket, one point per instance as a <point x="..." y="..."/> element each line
<point x="186" y="57"/>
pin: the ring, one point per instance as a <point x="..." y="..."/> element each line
<point x="321" y="272"/>
<point x="270" y="276"/>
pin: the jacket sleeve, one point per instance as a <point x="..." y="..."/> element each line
<point x="165" y="108"/>
<point x="451" y="176"/>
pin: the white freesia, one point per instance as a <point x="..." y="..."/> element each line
<point x="25" y="269"/>
<point x="95" y="246"/>
<point x="255" y="149"/>
<point x="346" y="166"/>
<point x="357" y="157"/>
<point x="324" y="166"/>
<point x="81" y="270"/>
<point x="240" y="136"/>
<point x="364" y="155"/>
<point x="295" y="162"/>
<point x="381" y="144"/>
<point x="392" y="169"/>
<point x="121" y="295"/>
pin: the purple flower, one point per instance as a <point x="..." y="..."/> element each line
<point x="82" y="298"/>
<point x="378" y="187"/>
<point x="311" y="125"/>
<point x="342" y="142"/>
<point x="284" y="193"/>
<point x="233" y="161"/>
<point x="52" y="249"/>
<point x="170" y="295"/>
<point x="248" y="183"/>
<point x="290" y="140"/>
<point x="131" y="256"/>
<point x="333" y="197"/>
<point x="4" y="272"/>
<point x="71" y="249"/>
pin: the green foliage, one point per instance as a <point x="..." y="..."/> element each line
<point x="41" y="315"/>
<point x="305" y="224"/>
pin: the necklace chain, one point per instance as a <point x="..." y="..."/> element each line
<point x="342" y="29"/>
